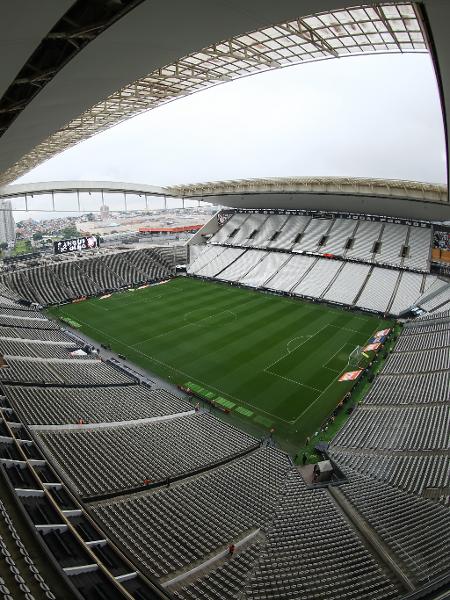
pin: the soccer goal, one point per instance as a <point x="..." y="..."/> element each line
<point x="355" y="357"/>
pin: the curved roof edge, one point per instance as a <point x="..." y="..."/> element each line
<point x="48" y="187"/>
<point x="355" y="186"/>
<point x="384" y="197"/>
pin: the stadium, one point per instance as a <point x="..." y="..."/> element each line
<point x="261" y="412"/>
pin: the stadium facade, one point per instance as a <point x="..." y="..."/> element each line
<point x="116" y="483"/>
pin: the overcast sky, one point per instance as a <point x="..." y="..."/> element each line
<point x="376" y="116"/>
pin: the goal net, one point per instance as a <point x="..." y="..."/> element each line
<point x="355" y="357"/>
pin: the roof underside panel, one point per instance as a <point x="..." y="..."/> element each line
<point x="23" y="24"/>
<point x="372" y="28"/>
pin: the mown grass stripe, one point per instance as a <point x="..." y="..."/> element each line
<point x="221" y="339"/>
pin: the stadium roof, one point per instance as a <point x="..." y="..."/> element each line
<point x="396" y="198"/>
<point x="393" y="198"/>
<point x="131" y="55"/>
<point x="48" y="187"/>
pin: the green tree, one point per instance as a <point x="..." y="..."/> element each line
<point x="70" y="232"/>
<point x="37" y="236"/>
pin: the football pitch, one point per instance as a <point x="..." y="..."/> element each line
<point x="274" y="361"/>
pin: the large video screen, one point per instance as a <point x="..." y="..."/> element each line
<point x="75" y="245"/>
<point x="441" y="237"/>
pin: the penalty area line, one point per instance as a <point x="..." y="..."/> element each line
<point x="310" y="387"/>
<point x="286" y="354"/>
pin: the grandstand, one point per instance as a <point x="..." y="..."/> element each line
<point x="116" y="483"/>
<point x="56" y="281"/>
<point x="204" y="483"/>
<point x="373" y="265"/>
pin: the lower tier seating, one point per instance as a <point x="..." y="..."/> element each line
<point x="397" y="428"/>
<point x="417" y="530"/>
<point x="361" y="285"/>
<point x="411" y="388"/>
<point x="400" y="434"/>
<point x="418" y="473"/>
<point x="57" y="282"/>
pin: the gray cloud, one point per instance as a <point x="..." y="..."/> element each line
<point x="375" y="116"/>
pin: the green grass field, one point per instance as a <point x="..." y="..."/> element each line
<point x="272" y="360"/>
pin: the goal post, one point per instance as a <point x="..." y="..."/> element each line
<point x="355" y="357"/>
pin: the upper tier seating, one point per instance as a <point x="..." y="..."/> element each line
<point x="226" y="582"/>
<point x="167" y="529"/>
<point x="341" y="231"/>
<point x="293" y="227"/>
<point x="392" y="241"/>
<point x="62" y="372"/>
<point x="365" y="237"/>
<point x="419" y="248"/>
<point x="315" y="553"/>
<point x="268" y="230"/>
<point x="381" y="242"/>
<point x="248" y="230"/>
<point x="312" y="235"/>
<point x="122" y="457"/>
<point x="61" y="405"/>
<point x="234" y="223"/>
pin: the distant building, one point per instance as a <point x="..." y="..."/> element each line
<point x="104" y="212"/>
<point x="7" y="225"/>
